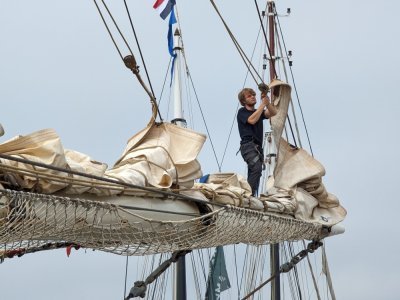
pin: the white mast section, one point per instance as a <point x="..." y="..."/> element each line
<point x="177" y="86"/>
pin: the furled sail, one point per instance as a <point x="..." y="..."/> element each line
<point x="158" y="156"/>
<point x="70" y="207"/>
<point x="295" y="189"/>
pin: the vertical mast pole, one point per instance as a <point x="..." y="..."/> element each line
<point x="179" y="291"/>
<point x="274" y="254"/>
<point x="177" y="89"/>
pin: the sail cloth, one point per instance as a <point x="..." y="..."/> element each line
<point x="296" y="186"/>
<point x="297" y="173"/>
<point x="164" y="154"/>
<point x="160" y="155"/>
<point x="43" y="146"/>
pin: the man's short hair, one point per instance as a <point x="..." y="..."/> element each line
<point x="242" y="95"/>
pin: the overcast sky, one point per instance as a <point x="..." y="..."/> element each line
<point x="59" y="69"/>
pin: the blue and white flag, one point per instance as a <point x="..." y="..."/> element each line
<point x="165" y="8"/>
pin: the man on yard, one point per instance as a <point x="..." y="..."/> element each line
<point x="250" y="123"/>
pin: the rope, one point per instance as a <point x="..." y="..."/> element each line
<point x="328" y="274"/>
<point x="189" y="75"/>
<point x="287" y="80"/>
<point x="117" y="27"/>
<point x="136" y="70"/>
<point x="295" y="271"/>
<point x="237" y="106"/>
<point x="165" y="80"/>
<point x="236" y="272"/>
<point x="140" y="287"/>
<point x="312" y="273"/>
<point x="204" y="120"/>
<point x="242" y="54"/>
<point x="286" y="267"/>
<point x="140" y="50"/>
<point x="149" y="189"/>
<point x="126" y="274"/>
<point x="108" y="30"/>
<point x="295" y="89"/>
<point x="265" y="34"/>
<point x="34" y="220"/>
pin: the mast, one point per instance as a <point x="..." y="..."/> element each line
<point x="274" y="253"/>
<point x="177" y="87"/>
<point x="179" y="291"/>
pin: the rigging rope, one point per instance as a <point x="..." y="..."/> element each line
<point x="236" y="272"/>
<point x="312" y="274"/>
<point x="265" y="35"/>
<point x="295" y="89"/>
<point x="126" y="274"/>
<point x="237" y="106"/>
<point x="165" y="80"/>
<point x="140" y="50"/>
<point x="295" y="271"/>
<point x="117" y="27"/>
<point x="140" y="287"/>
<point x="204" y="120"/>
<point x="287" y="80"/>
<point x="119" y="183"/>
<point x="136" y="70"/>
<point x="286" y="267"/>
<point x="108" y="30"/>
<point x="242" y="54"/>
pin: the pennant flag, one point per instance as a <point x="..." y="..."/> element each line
<point x="164" y="7"/>
<point x="218" y="280"/>
<point x="172" y="21"/>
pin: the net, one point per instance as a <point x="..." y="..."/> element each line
<point x="30" y="221"/>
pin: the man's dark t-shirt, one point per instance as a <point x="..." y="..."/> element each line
<point x="247" y="131"/>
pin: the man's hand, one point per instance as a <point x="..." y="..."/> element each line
<point x="265" y="99"/>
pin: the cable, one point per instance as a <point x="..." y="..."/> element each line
<point x="165" y="80"/>
<point x="108" y="29"/>
<point x="126" y="275"/>
<point x="236" y="272"/>
<point x="237" y="106"/>
<point x="265" y="36"/>
<point x="117" y="27"/>
<point x="238" y="47"/>
<point x="295" y="89"/>
<point x="140" y="50"/>
<point x="204" y="120"/>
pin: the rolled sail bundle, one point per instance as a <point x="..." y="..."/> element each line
<point x="159" y="156"/>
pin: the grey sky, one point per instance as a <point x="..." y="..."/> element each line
<point x="59" y="69"/>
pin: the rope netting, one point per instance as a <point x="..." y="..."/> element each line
<point x="29" y="220"/>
